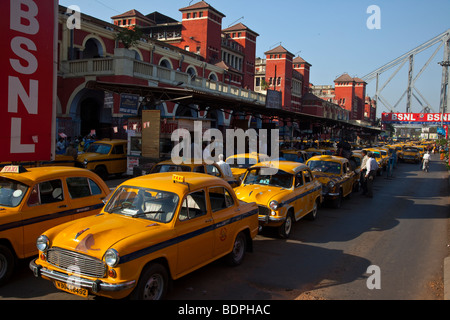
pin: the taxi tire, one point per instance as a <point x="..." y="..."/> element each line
<point x="236" y="256"/>
<point x="7" y="262"/>
<point x="337" y="203"/>
<point x="154" y="274"/>
<point x="313" y="214"/>
<point x="284" y="231"/>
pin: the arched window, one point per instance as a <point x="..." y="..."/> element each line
<point x="165" y="64"/>
<point x="92" y="49"/>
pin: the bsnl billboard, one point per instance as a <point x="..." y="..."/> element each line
<point x="416" y="118"/>
<point x="28" y="79"/>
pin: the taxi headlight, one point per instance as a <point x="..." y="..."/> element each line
<point x="330" y="185"/>
<point x="112" y="258"/>
<point x="85" y="162"/>
<point x="273" y="205"/>
<point x="42" y="243"/>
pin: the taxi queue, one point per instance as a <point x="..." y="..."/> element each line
<point x="132" y="242"/>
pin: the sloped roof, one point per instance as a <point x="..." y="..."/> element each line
<point x="132" y="13"/>
<point x="344" y="78"/>
<point x="300" y="60"/>
<point x="279" y="49"/>
<point x="202" y="5"/>
<point x="239" y="27"/>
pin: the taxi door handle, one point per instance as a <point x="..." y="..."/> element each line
<point x="209" y="220"/>
<point x="63" y="206"/>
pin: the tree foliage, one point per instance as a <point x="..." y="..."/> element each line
<point x="130" y="36"/>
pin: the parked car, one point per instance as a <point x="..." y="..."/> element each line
<point x="212" y="169"/>
<point x="35" y="199"/>
<point x="285" y="192"/>
<point x="105" y="157"/>
<point x="336" y="176"/>
<point x="154" y="229"/>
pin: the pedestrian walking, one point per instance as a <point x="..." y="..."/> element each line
<point x="362" y="177"/>
<point x="372" y="167"/>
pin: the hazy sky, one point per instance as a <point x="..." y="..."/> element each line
<point x="331" y="35"/>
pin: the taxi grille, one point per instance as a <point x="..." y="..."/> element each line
<point x="76" y="263"/>
<point x="264" y="211"/>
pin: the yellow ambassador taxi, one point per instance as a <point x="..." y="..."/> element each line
<point x="411" y="154"/>
<point x="336" y="176"/>
<point x="239" y="163"/>
<point x="35" y="199"/>
<point x="105" y="157"/>
<point x="153" y="229"/>
<point x="212" y="169"/>
<point x="285" y="192"/>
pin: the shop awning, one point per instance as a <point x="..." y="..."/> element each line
<point x="204" y="100"/>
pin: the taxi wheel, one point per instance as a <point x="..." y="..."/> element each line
<point x="285" y="229"/>
<point x="236" y="256"/>
<point x="6" y="264"/>
<point x="337" y="203"/>
<point x="313" y="214"/>
<point x="153" y="283"/>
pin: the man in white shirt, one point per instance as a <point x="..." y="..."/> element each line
<point x="225" y="167"/>
<point x="426" y="160"/>
<point x="372" y="167"/>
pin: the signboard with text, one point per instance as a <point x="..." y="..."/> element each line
<point x="28" y="79"/>
<point x="416" y="118"/>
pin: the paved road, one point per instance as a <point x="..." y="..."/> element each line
<point x="403" y="231"/>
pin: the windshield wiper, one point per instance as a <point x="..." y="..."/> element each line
<point x="146" y="212"/>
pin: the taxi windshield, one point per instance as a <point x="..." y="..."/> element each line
<point x="150" y="204"/>
<point x="99" y="148"/>
<point x="325" y="166"/>
<point x="269" y="177"/>
<point x="241" y="162"/>
<point x="11" y="192"/>
<point x="411" y="150"/>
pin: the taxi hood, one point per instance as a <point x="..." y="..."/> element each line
<point x="324" y="178"/>
<point x="94" y="235"/>
<point x="260" y="194"/>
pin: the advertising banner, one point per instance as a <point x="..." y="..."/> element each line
<point x="416" y="118"/>
<point x="28" y="79"/>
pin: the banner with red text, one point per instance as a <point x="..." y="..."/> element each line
<point x="28" y="79"/>
<point x="416" y="118"/>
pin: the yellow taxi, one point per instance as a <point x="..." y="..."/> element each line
<point x="295" y="155"/>
<point x="317" y="152"/>
<point x="239" y="163"/>
<point x="105" y="157"/>
<point x="284" y="191"/>
<point x="212" y="169"/>
<point x="35" y="199"/>
<point x="336" y="176"/>
<point x="154" y="229"/>
<point x="60" y="160"/>
<point x="411" y="154"/>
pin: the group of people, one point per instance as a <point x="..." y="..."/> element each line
<point x="67" y="146"/>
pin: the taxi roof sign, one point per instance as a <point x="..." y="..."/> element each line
<point x="13" y="169"/>
<point x="178" y="178"/>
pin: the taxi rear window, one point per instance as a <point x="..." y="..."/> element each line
<point x="11" y="192"/>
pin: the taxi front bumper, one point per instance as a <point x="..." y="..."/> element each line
<point x="95" y="286"/>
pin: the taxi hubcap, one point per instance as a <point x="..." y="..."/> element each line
<point x="154" y="287"/>
<point x="288" y="225"/>
<point x="238" y="249"/>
